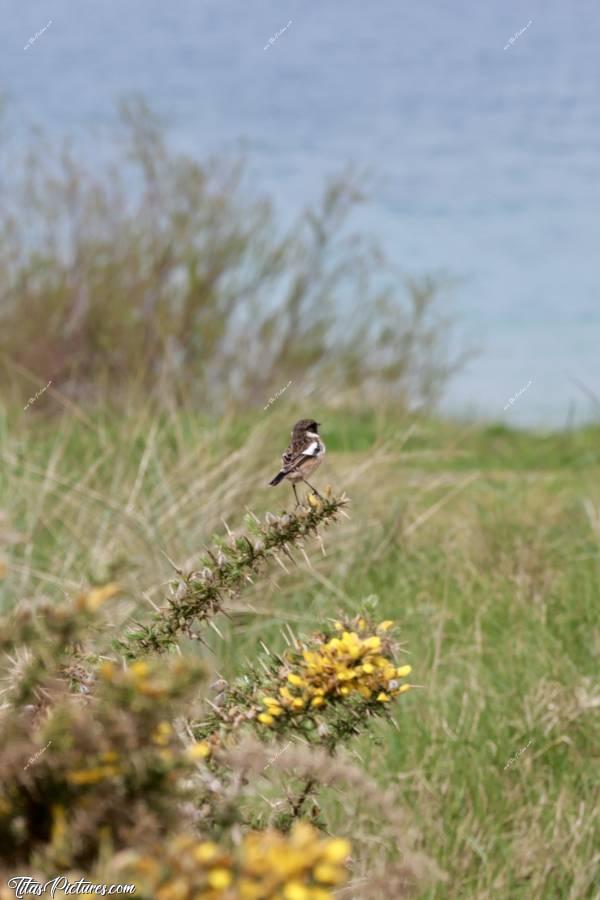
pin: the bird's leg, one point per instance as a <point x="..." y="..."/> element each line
<point x="295" y="494"/>
<point x="313" y="489"/>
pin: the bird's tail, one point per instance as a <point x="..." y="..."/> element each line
<point x="279" y="477"/>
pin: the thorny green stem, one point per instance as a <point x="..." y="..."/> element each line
<point x="200" y="595"/>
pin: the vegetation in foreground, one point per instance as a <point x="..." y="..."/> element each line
<point x="481" y="543"/>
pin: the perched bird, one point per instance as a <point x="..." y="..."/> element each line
<point x="304" y="454"/>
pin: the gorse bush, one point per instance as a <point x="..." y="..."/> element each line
<point x="133" y="770"/>
<point x="325" y="689"/>
<point x="159" y="270"/>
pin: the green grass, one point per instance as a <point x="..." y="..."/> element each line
<point x="481" y="542"/>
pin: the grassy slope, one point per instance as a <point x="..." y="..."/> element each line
<point x="481" y="542"/>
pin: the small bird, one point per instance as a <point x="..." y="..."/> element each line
<point x="304" y="454"/>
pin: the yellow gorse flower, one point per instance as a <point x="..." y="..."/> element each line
<point x="269" y="865"/>
<point x="199" y="750"/>
<point x="139" y="669"/>
<point x="92" y="775"/>
<point x="353" y="661"/>
<point x="266" y="718"/>
<point x="149" y="680"/>
<point x="110" y="756"/>
<point x="220" y="878"/>
<point x="206" y="852"/>
<point x="162" y="733"/>
<point x="92" y="601"/>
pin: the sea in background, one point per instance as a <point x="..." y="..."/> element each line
<point x="484" y="154"/>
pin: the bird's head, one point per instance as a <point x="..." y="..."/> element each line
<point x="305" y="425"/>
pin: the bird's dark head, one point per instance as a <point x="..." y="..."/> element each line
<point x="305" y="425"/>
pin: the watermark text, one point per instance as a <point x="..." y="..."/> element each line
<point x="39" y="393"/>
<point x="37" y="755"/>
<point x="517" y="395"/>
<point x="36" y="36"/>
<point x="26" y="886"/>
<point x="517" y="755"/>
<point x="517" y="34"/>
<point x="273" y="39"/>
<point x="278" y="394"/>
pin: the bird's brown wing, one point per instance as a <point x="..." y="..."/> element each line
<point x="294" y="449"/>
<point x="295" y="455"/>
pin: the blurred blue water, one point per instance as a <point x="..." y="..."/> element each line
<point x="485" y="161"/>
